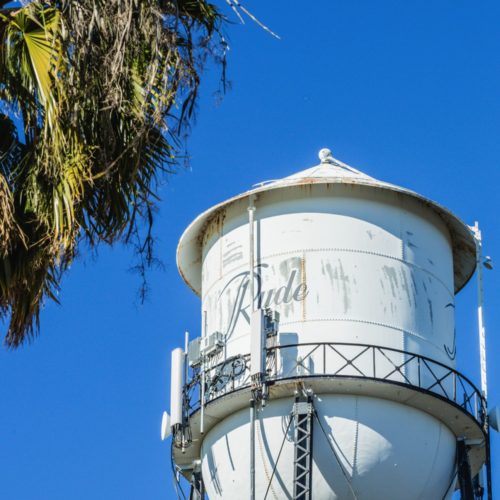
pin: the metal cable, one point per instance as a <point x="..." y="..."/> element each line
<point x="278" y="457"/>
<point x="266" y="472"/>
<point x="344" y="472"/>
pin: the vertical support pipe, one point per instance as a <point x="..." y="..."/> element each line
<point x="186" y="356"/>
<point x="202" y="399"/>
<point x="489" y="479"/>
<point x="251" y="277"/>
<point x="482" y="349"/>
<point x="252" y="449"/>
<point x="251" y="250"/>
<point x="185" y="405"/>
<point x="480" y="307"/>
<point x="202" y="378"/>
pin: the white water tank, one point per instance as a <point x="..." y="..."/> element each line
<point x="349" y="263"/>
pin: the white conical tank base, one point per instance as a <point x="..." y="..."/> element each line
<point x="383" y="451"/>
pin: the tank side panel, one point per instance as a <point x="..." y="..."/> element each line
<point x="360" y="445"/>
<point x="338" y="269"/>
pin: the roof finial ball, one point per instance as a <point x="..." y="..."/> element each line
<point x="325" y="156"/>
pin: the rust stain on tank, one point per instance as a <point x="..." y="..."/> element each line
<point x="212" y="227"/>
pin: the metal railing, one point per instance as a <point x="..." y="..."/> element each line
<point x="341" y="360"/>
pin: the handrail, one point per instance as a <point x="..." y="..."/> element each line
<point x="392" y="349"/>
<point x="360" y="361"/>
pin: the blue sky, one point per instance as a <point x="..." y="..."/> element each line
<point x="408" y="92"/>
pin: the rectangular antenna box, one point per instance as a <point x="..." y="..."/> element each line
<point x="212" y="343"/>
<point x="194" y="352"/>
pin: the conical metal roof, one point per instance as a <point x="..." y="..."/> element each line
<point x="329" y="167"/>
<point x="329" y="171"/>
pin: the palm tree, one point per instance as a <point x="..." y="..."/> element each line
<point x="93" y="95"/>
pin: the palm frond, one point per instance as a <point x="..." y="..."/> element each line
<point x="101" y="91"/>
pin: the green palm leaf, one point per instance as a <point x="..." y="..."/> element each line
<point x="99" y="89"/>
<point x="32" y="49"/>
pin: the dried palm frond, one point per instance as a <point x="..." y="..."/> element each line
<point x="99" y="92"/>
<point x="100" y="89"/>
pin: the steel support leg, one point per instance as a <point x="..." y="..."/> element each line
<point x="464" y="472"/>
<point x="303" y="420"/>
<point x="197" y="487"/>
<point x="489" y="480"/>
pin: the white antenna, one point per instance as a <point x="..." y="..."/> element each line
<point x="177" y="384"/>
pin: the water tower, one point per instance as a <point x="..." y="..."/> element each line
<point x="325" y="368"/>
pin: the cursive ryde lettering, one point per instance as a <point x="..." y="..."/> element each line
<point x="264" y="299"/>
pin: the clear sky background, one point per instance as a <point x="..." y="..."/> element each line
<point x="407" y="91"/>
